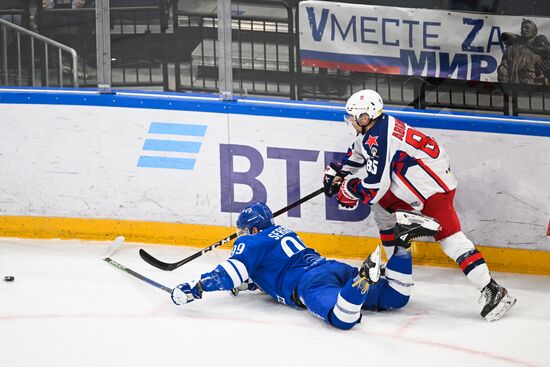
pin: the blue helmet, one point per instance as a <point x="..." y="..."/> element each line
<point x="256" y="215"/>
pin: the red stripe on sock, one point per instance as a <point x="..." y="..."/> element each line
<point x="387" y="237"/>
<point x="470" y="260"/>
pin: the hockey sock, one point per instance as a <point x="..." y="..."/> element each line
<point x="347" y="310"/>
<point x="394" y="290"/>
<point x="474" y="267"/>
<point x="459" y="248"/>
<point x="388" y="241"/>
<point x="399" y="272"/>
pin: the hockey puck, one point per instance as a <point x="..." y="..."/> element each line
<point x="9" y="278"/>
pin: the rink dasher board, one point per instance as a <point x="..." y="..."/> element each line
<point x="86" y="160"/>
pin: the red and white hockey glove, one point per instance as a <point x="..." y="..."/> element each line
<point x="346" y="195"/>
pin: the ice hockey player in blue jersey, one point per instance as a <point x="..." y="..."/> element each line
<point x="275" y="260"/>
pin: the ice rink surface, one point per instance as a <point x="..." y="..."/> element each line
<point x="67" y="307"/>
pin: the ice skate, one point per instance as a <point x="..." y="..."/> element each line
<point x="412" y="225"/>
<point x="497" y="301"/>
<point x="369" y="273"/>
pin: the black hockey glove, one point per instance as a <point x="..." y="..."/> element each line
<point x="333" y="178"/>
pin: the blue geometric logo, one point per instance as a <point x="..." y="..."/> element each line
<point x="171" y="145"/>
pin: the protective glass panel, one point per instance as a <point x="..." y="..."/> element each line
<point x="195" y="26"/>
<point x="500" y="65"/>
<point x="264" y="48"/>
<point x="47" y="42"/>
<point x="143" y="46"/>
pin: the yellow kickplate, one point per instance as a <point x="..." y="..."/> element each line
<point x="195" y="235"/>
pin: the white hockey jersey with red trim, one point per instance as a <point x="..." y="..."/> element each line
<point x="399" y="158"/>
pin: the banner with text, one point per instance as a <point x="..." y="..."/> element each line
<point x="423" y="42"/>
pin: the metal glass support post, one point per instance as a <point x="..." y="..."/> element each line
<point x="103" y="43"/>
<point x="225" y="66"/>
<point x="5" y="54"/>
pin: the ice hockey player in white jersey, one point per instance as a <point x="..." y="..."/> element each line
<point x="405" y="169"/>
<point x="275" y="260"/>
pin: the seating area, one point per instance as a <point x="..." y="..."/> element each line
<point x="170" y="45"/>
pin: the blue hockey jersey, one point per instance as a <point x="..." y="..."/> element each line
<point x="274" y="259"/>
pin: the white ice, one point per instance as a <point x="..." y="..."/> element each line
<point x="67" y="307"/>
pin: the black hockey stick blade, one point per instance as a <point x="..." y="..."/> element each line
<point x="148" y="258"/>
<point x="137" y="275"/>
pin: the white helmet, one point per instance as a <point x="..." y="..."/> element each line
<point x="365" y="101"/>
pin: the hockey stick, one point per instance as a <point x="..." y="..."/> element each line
<point x="171" y="266"/>
<point x="111" y="250"/>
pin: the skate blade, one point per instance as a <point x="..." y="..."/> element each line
<point x="501" y="309"/>
<point x="408" y="218"/>
<point x="374" y="272"/>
